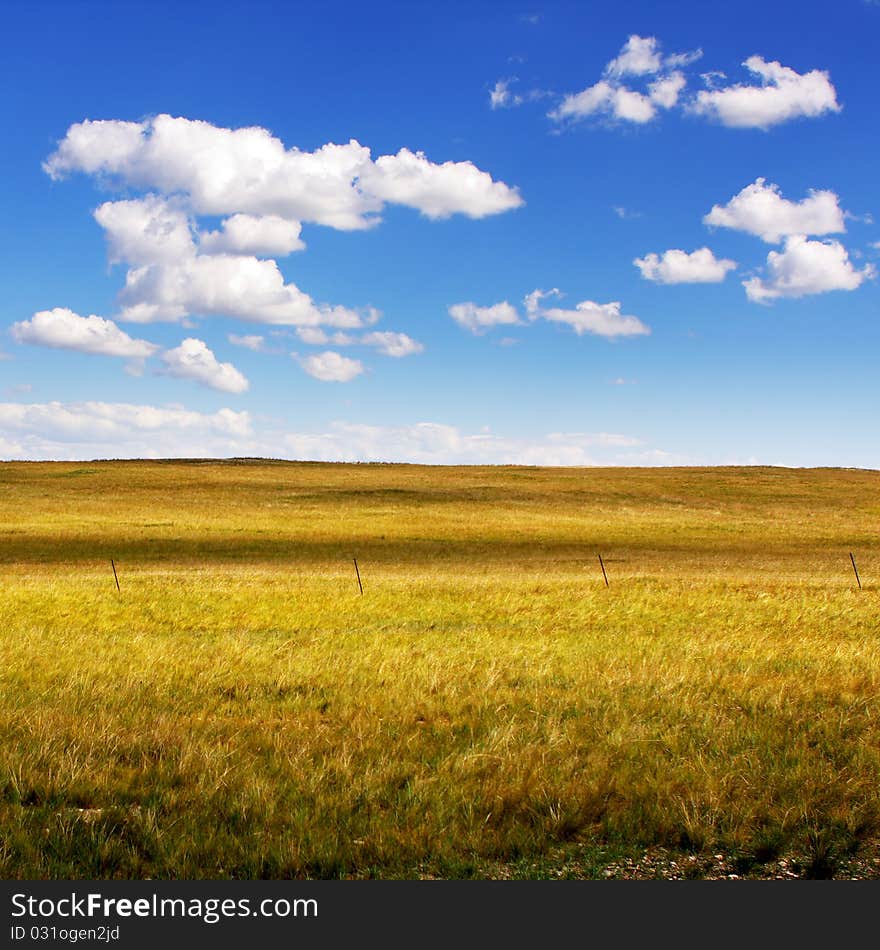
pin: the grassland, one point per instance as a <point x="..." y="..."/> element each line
<point x="487" y="708"/>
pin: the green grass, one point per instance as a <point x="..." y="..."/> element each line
<point x="488" y="707"/>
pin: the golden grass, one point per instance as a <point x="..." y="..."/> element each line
<point x="488" y="707"/>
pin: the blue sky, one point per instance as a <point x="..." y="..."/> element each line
<point x="553" y="233"/>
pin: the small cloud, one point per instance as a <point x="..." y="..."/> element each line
<point x="392" y="344"/>
<point x="866" y="218"/>
<point x="532" y="301"/>
<point x="620" y="381"/>
<point x="625" y="214"/>
<point x="479" y="319"/>
<point x="807" y="267"/>
<point x="679" y="267"/>
<point x="501" y="97"/>
<point x="249" y="341"/>
<point x="761" y="210"/>
<point x="782" y="95"/>
<point x="330" y="367"/>
<point x="65" y="330"/>
<point x="599" y="319"/>
<point x="712" y="78"/>
<point x="639" y="56"/>
<point x="267" y="235"/>
<point x="194" y="360"/>
<point x="18" y="389"/>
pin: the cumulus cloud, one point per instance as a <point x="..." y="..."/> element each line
<point x="392" y="344"/>
<point x="194" y="360"/>
<point x="761" y="210"/>
<point x="603" y="98"/>
<point x="221" y="171"/>
<point x="479" y="319"/>
<point x="640" y="57"/>
<point x="599" y="319"/>
<point x="782" y="95"/>
<point x="678" y="267"/>
<point x="266" y="236"/>
<point x="437" y="191"/>
<point x="263" y="191"/>
<point x="170" y="279"/>
<point x="148" y="230"/>
<point x="248" y="288"/>
<point x="665" y="92"/>
<point x="806" y="267"/>
<point x="330" y="367"/>
<point x="63" y="329"/>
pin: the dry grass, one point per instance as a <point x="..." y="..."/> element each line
<point x="488" y="708"/>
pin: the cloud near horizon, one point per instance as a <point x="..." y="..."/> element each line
<point x="102" y="430"/>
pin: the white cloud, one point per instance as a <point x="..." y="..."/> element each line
<point x="761" y="210"/>
<point x="249" y="341"/>
<point x="330" y="367"/>
<point x="500" y="96"/>
<point x="221" y="171"/>
<point x="269" y="235"/>
<point x="433" y="443"/>
<point x="94" y="430"/>
<point x="392" y="344"/>
<point x="603" y="98"/>
<point x="679" y="267"/>
<point x="170" y="280"/>
<point x="194" y="360"/>
<point x="783" y="95"/>
<point x="532" y="301"/>
<point x="479" y="319"/>
<point x="118" y="430"/>
<point x="600" y="319"/>
<point x="248" y="288"/>
<point x="666" y="90"/>
<point x="639" y="57"/>
<point x="63" y="329"/>
<point x="386" y="341"/>
<point x="146" y="230"/>
<point x="678" y="60"/>
<point x="437" y="191"/>
<point x="806" y="267"/>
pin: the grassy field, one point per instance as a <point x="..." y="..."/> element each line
<point x="487" y="708"/>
